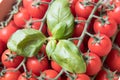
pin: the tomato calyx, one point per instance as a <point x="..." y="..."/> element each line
<point x="10" y="56"/>
<point x="110" y="74"/>
<point x="37" y="3"/>
<point x="110" y="7"/>
<point x="40" y="57"/>
<point x="86" y="3"/>
<point x="87" y="57"/>
<point x="2" y="72"/>
<point x="104" y="20"/>
<point x="27" y="75"/>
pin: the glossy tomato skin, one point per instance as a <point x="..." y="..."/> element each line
<point x="36" y="11"/>
<point x="37" y="25"/>
<point x="50" y="73"/>
<point x="117" y="40"/>
<point x="32" y="76"/>
<point x="7" y="31"/>
<point x="103" y="75"/>
<point x="93" y="61"/>
<point x="114" y="14"/>
<point x="21" y="17"/>
<point x="107" y="29"/>
<point x="10" y="63"/>
<point x="81" y="77"/>
<point x="36" y="66"/>
<point x="10" y="75"/>
<point x="72" y="6"/>
<point x="113" y="64"/>
<point x="82" y="11"/>
<point x="56" y="66"/>
<point x="102" y="47"/>
<point x="79" y="27"/>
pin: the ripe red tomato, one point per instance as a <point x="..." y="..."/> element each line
<point x="56" y="66"/>
<point x="21" y="17"/>
<point x="50" y="74"/>
<point x="117" y="40"/>
<point x="36" y="25"/>
<point x="114" y="14"/>
<point x="37" y="65"/>
<point x="37" y="10"/>
<point x="109" y="29"/>
<point x="7" y="31"/>
<point x="10" y="59"/>
<point x="92" y="60"/>
<point x="104" y="75"/>
<point x="81" y="77"/>
<point x="79" y="27"/>
<point x="82" y="10"/>
<point x="72" y="6"/>
<point x="10" y="74"/>
<point x="113" y="64"/>
<point x="27" y="76"/>
<point x="101" y="45"/>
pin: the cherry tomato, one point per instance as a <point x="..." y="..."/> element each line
<point x="100" y="45"/>
<point x="10" y="59"/>
<point x="104" y="75"/>
<point x="92" y="60"/>
<point x="21" y="17"/>
<point x="81" y="77"/>
<point x="108" y="27"/>
<point x="10" y="74"/>
<point x="79" y="27"/>
<point x="37" y="65"/>
<point x="114" y="13"/>
<point x="82" y="10"/>
<point x="27" y="76"/>
<point x="35" y="9"/>
<point x="56" y="66"/>
<point x="6" y="32"/>
<point x="37" y="25"/>
<point x="50" y="74"/>
<point x="113" y="64"/>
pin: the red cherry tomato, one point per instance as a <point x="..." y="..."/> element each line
<point x="114" y="13"/>
<point x="10" y="74"/>
<point x="21" y="17"/>
<point x="27" y="76"/>
<point x="92" y="61"/>
<point x="50" y="74"/>
<point x="101" y="45"/>
<point x="113" y="60"/>
<point x="10" y="59"/>
<point x="104" y="75"/>
<point x="109" y="29"/>
<point x="79" y="27"/>
<point x="7" y="32"/>
<point x="37" y="65"/>
<point x="56" y="66"/>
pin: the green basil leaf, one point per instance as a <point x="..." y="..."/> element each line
<point x="68" y="56"/>
<point x="58" y="13"/>
<point x="50" y="47"/>
<point x="26" y="42"/>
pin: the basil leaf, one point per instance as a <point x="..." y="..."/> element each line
<point x="59" y="15"/>
<point x="26" y="42"/>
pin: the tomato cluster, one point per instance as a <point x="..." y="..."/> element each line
<point x="98" y="32"/>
